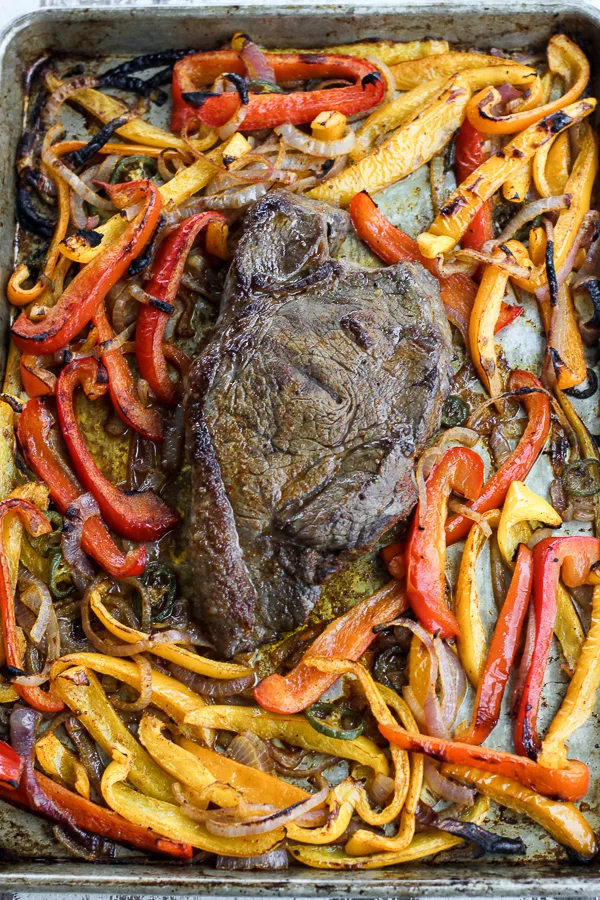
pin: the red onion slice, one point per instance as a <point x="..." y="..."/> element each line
<point x="297" y="139"/>
<point x="76" y="515"/>
<point x="584" y="236"/>
<point x="445" y="788"/>
<point x="256" y="63"/>
<point x="527" y="214"/>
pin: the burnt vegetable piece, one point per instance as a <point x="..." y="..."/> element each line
<point x="161" y="582"/>
<point x="79" y="157"/>
<point x="335" y="721"/>
<point x="581" y="478"/>
<point x="454" y="411"/>
<point x="133" y="168"/>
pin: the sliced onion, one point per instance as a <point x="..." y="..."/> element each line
<point x="250" y="750"/>
<point x="105" y="169"/>
<point x="415" y="707"/>
<point x="233" y="125"/>
<point x="500" y="258"/>
<point x="76" y="515"/>
<point x="380" y="788"/>
<point x="445" y="788"/>
<point x="235" y="199"/>
<point x="526" y="214"/>
<point x="328" y="149"/>
<point x="584" y="236"/>
<point x="37" y="598"/>
<point x="216" y="688"/>
<point x="589" y="269"/>
<point x="388" y="78"/>
<point x="271" y="822"/>
<point x="256" y="62"/>
<point x="62" y="93"/>
<point x="63" y="171"/>
<point x="145" y="698"/>
<point x="462" y="509"/>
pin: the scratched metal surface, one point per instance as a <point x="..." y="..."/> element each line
<point x="32" y="860"/>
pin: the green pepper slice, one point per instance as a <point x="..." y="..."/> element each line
<point x="581" y="478"/>
<point x="454" y="411"/>
<point x="335" y="721"/>
<point x="59" y="576"/>
<point x="44" y="544"/>
<point x="160" y="581"/>
<point x="264" y="86"/>
<point x="133" y="168"/>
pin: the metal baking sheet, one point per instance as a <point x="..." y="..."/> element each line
<point x="31" y="859"/>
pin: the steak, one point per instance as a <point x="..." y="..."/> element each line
<point x="304" y="415"/>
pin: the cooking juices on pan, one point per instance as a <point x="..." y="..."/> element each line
<point x="214" y="413"/>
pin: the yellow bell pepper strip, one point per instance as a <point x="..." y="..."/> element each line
<point x="12" y="531"/>
<point x="202" y="665"/>
<point x="404" y="151"/>
<point x="427" y="843"/>
<point x="168" y="820"/>
<point x="256" y="786"/>
<point x="460" y="469"/>
<point x="562" y="821"/>
<point x="564" y="58"/>
<point x="521" y="507"/>
<point x="61" y="764"/>
<point x="471" y="641"/>
<point x="200" y="768"/>
<point x="16" y="293"/>
<point x="579" y="701"/>
<point x="383" y="715"/>
<point x="568" y="783"/>
<point x="454" y="217"/>
<point x="364" y="842"/>
<point x="293" y="729"/>
<point x="484" y="319"/>
<point x="412" y="73"/>
<point x="82" y="692"/>
<point x="576" y="555"/>
<point x="551" y="181"/>
<point x="388" y="52"/>
<point x="347" y="637"/>
<point x="392" y="115"/>
<point x="516" y="187"/>
<point x="341" y="802"/>
<point x="503" y="648"/>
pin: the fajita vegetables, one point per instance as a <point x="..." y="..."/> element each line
<point x="355" y="740"/>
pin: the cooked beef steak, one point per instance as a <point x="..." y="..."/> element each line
<point x="304" y="414"/>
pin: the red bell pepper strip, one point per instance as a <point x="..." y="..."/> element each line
<point x="575" y="556"/>
<point x="11" y="767"/>
<point x="193" y="75"/>
<point x="147" y="421"/>
<point x="460" y="469"/>
<point x="33" y="432"/>
<point x="520" y="461"/>
<point x="97" y="820"/>
<point x="81" y="299"/>
<point x="167" y="270"/>
<point x="36" y="524"/>
<point x="570" y="783"/>
<point x="392" y="245"/>
<point x="501" y="655"/>
<point x="345" y="638"/>
<point x="33" y="384"/>
<point x="469" y="155"/>
<point x="137" y="515"/>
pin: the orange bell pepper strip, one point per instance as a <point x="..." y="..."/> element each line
<point x="35" y="384"/>
<point x="97" y="820"/>
<point x="193" y="74"/>
<point x="36" y="524"/>
<point x="565" y="345"/>
<point x="453" y="218"/>
<point x="575" y="555"/>
<point x="520" y="461"/>
<point x="147" y="421"/>
<point x="34" y="426"/>
<point x="345" y="638"/>
<point x="137" y="515"/>
<point x="564" y="58"/>
<point x="469" y="155"/>
<point x="461" y="470"/>
<point x="570" y="783"/>
<point x="84" y="294"/>
<point x="501" y="655"/>
<point x="392" y="245"/>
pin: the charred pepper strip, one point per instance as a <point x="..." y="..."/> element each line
<point x="137" y="515"/>
<point x="166" y="275"/>
<point x="502" y="651"/>
<point x="345" y="638"/>
<point x="195" y="72"/>
<point x="83" y="296"/>
<point x="33" y="432"/>
<point x="569" y="783"/>
<point x="469" y="156"/>
<point x="36" y="524"/>
<point x="520" y="461"/>
<point x="392" y="245"/>
<point x="147" y="421"/>
<point x="461" y="470"/>
<point x="575" y="555"/>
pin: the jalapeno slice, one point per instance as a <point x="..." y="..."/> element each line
<point x="264" y="86"/>
<point x="46" y="543"/>
<point x="333" y="721"/>
<point x="59" y="576"/>
<point x="581" y="478"/>
<point x="454" y="411"/>
<point x="133" y="168"/>
<point x="161" y="583"/>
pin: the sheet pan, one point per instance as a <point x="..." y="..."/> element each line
<point x="30" y="857"/>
